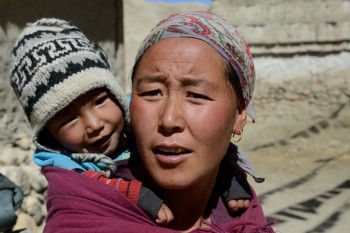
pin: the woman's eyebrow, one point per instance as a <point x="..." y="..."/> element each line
<point x="197" y="82"/>
<point x="193" y="82"/>
<point x="185" y="81"/>
<point x="150" y="79"/>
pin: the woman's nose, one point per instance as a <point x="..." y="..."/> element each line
<point x="172" y="120"/>
<point x="93" y="123"/>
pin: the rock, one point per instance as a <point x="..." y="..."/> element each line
<point x="36" y="179"/>
<point x="8" y="156"/>
<point x="14" y="155"/>
<point x="44" y="210"/>
<point x="33" y="207"/>
<point x="291" y="96"/>
<point x="40" y="196"/>
<point x="334" y="144"/>
<point x="24" y="143"/>
<point x="20" y="178"/>
<point x="26" y="224"/>
<point x="303" y="143"/>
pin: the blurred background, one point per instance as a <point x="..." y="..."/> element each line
<point x="300" y="140"/>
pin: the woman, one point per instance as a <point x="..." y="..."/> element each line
<point x="192" y="81"/>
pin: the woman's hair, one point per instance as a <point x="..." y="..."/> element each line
<point x="231" y="77"/>
<point x="133" y="71"/>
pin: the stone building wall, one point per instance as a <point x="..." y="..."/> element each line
<point x="286" y="28"/>
<point x="301" y="56"/>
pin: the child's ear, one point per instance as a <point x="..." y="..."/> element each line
<point x="240" y="121"/>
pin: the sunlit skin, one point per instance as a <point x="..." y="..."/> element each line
<point x="183" y="113"/>
<point x="92" y="123"/>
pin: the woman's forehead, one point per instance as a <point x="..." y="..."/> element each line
<point x="187" y="55"/>
<point x="191" y="63"/>
<point x="179" y="50"/>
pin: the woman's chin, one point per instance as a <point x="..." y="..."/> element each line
<point x="172" y="182"/>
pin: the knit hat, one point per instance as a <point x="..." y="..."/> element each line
<point x="217" y="32"/>
<point x="53" y="63"/>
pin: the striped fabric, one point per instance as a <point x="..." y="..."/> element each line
<point x="217" y="32"/>
<point x="131" y="189"/>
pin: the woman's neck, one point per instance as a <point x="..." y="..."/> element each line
<point x="189" y="206"/>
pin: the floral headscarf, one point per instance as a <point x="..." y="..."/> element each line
<point x="217" y="32"/>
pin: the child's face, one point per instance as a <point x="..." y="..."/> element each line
<point x="92" y="123"/>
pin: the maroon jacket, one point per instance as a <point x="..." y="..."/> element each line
<point x="77" y="203"/>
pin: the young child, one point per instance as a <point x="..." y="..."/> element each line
<point x="78" y="111"/>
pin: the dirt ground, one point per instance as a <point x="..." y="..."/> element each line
<point x="306" y="163"/>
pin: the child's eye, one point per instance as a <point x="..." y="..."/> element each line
<point x="68" y="121"/>
<point x="101" y="100"/>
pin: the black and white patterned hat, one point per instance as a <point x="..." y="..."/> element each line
<point x="53" y="63"/>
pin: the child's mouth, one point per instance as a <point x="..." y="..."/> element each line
<point x="102" y="142"/>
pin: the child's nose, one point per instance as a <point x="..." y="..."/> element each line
<point x="93" y="122"/>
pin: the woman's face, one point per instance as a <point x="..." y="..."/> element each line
<point x="182" y="111"/>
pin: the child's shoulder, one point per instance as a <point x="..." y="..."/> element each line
<point x="122" y="156"/>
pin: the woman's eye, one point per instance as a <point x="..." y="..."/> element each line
<point x="151" y="93"/>
<point x="198" y="96"/>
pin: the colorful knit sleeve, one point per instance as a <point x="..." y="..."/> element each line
<point x="138" y="194"/>
<point x="131" y="189"/>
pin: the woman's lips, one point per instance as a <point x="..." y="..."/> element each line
<point x="171" y="151"/>
<point x="171" y="155"/>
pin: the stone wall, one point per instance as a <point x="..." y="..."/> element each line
<point x="301" y="56"/>
<point x="286" y="28"/>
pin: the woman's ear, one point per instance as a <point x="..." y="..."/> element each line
<point x="240" y="121"/>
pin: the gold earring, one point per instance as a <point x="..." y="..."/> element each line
<point x="240" y="137"/>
